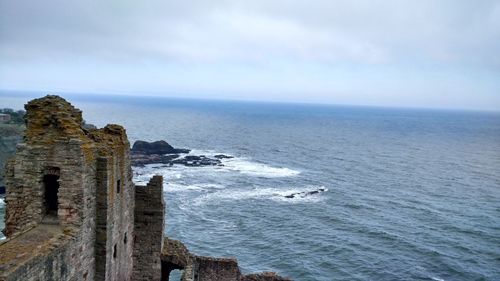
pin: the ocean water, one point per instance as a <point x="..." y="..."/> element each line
<point x="407" y="194"/>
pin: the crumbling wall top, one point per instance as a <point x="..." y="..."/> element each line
<point x="111" y="136"/>
<point x="51" y="117"/>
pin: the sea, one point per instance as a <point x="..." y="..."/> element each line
<point x="379" y="193"/>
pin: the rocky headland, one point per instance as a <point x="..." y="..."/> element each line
<point x="160" y="152"/>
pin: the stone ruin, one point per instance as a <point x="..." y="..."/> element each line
<point x="73" y="212"/>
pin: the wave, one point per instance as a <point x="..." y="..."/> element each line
<point x="2" y="201"/>
<point x="179" y="187"/>
<point x="251" y="168"/>
<point x="237" y="164"/>
<point x="246" y="166"/>
<point x="275" y="194"/>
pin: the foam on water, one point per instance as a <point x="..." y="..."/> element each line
<point x="251" y="168"/>
<point x="239" y="165"/>
<point x="179" y="187"/>
<point x="275" y="194"/>
<point x="246" y="166"/>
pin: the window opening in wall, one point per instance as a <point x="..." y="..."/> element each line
<point x="114" y="252"/>
<point x="118" y="186"/>
<point x="125" y="238"/>
<point x="51" y="190"/>
<point x="175" y="275"/>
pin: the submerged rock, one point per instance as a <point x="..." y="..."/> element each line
<point x="305" y="193"/>
<point x="222" y="156"/>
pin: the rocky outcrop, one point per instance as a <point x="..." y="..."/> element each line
<point x="156" y="147"/>
<point x="160" y="152"/>
<point x="199" y="268"/>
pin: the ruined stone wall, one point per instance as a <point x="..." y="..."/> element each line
<point x="175" y="255"/>
<point x="25" y="198"/>
<point x="51" y="265"/>
<point x="148" y="233"/>
<point x="54" y="145"/>
<point x="216" y="269"/>
<point x="115" y="205"/>
<point x="95" y="198"/>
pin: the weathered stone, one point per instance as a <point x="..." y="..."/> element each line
<point x="264" y="276"/>
<point x="175" y="255"/>
<point x="148" y="230"/>
<point x="73" y="213"/>
<point x="77" y="180"/>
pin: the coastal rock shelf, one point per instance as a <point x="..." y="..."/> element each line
<point x="160" y="152"/>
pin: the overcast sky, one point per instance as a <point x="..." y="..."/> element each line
<point x="420" y="53"/>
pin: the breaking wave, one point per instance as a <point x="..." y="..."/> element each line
<point x="179" y="187"/>
<point x="257" y="169"/>
<point x="238" y="165"/>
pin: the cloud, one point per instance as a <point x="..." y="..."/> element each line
<point x="357" y="31"/>
<point x="287" y="46"/>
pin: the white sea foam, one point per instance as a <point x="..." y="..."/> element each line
<point x="246" y="166"/>
<point x="437" y="279"/>
<point x="2" y="202"/>
<point x="274" y="194"/>
<point x="251" y="168"/>
<point x="179" y="187"/>
<point x="237" y="164"/>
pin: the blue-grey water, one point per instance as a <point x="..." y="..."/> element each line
<point x="410" y="194"/>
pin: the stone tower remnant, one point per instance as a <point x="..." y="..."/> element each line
<point x="73" y="212"/>
<point x="71" y="202"/>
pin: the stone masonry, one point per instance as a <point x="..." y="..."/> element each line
<point x="78" y="183"/>
<point x="148" y="228"/>
<point x="73" y="212"/>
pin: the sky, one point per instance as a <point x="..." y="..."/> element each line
<point x="425" y="53"/>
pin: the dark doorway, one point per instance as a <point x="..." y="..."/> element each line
<point x="170" y="271"/>
<point x="51" y="184"/>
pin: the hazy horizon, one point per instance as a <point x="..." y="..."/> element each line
<point x="81" y="96"/>
<point x="426" y="54"/>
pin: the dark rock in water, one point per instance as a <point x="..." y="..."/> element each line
<point x="305" y="193"/>
<point x="222" y="156"/>
<point x="2" y="190"/>
<point x="156" y="147"/>
<point x="160" y="152"/>
<point x="197" y="161"/>
<point x="143" y="159"/>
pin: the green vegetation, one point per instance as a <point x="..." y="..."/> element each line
<point x="17" y="117"/>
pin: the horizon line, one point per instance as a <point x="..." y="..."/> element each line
<point x="79" y="94"/>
